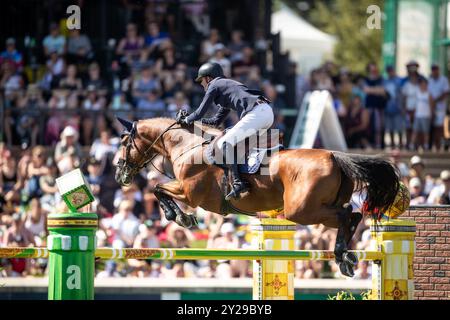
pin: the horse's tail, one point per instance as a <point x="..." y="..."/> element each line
<point x="379" y="176"/>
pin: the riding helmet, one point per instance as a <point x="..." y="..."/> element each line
<point x="209" y="69"/>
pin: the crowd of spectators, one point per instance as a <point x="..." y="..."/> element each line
<point x="386" y="112"/>
<point x="65" y="120"/>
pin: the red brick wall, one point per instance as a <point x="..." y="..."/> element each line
<point x="432" y="260"/>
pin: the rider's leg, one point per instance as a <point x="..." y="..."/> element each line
<point x="261" y="117"/>
<point x="230" y="160"/>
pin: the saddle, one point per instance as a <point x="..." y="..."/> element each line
<point x="258" y="149"/>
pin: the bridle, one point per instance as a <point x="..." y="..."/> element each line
<point x="130" y="169"/>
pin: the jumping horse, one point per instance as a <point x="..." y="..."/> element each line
<point x="313" y="186"/>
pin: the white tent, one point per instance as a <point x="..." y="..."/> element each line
<point x="307" y="45"/>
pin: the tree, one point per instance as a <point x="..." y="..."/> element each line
<point x="357" y="45"/>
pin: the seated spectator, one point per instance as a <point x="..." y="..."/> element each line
<point x="145" y="83"/>
<point x="71" y="82"/>
<point x="54" y="42"/>
<point x="133" y="194"/>
<point x="276" y="102"/>
<point x="28" y="124"/>
<point x="11" y="54"/>
<point x="50" y="191"/>
<point x="103" y="145"/>
<point x="362" y="272"/>
<point x="179" y="237"/>
<point x="35" y="169"/>
<point x="356" y="124"/>
<point x="236" y="46"/>
<point x="93" y="122"/>
<point x="207" y="46"/>
<point x="418" y="170"/>
<point x="18" y="235"/>
<point x="55" y="70"/>
<point x="110" y="271"/>
<point x="226" y="240"/>
<point x="153" y="39"/>
<point x="150" y="107"/>
<point x="129" y="48"/>
<point x="180" y="102"/>
<point x="147" y="237"/>
<point x="125" y="225"/>
<point x="94" y="176"/>
<point x="11" y="82"/>
<point x="440" y="194"/>
<point x="68" y="151"/>
<point x="168" y="61"/>
<point x="416" y="190"/>
<point x="94" y="80"/>
<point x="176" y="81"/>
<point x="242" y="67"/>
<point x="35" y="221"/>
<point x="79" y="48"/>
<point x="219" y="57"/>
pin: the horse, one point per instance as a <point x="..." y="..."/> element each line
<point x="312" y="186"/>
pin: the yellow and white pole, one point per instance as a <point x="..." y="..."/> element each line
<point x="393" y="276"/>
<point x="273" y="279"/>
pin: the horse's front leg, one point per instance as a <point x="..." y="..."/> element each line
<point x="166" y="193"/>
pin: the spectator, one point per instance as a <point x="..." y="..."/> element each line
<point x="439" y="89"/>
<point x="242" y="67"/>
<point x="422" y="116"/>
<point x="125" y="225"/>
<point x="178" y="237"/>
<point x="363" y="271"/>
<point x="410" y="88"/>
<point x="207" y="46"/>
<point x="55" y="70"/>
<point x="150" y="107"/>
<point x="180" y="102"/>
<point x="394" y="115"/>
<point x="71" y="82"/>
<point x="36" y="221"/>
<point x="17" y="235"/>
<point x="129" y="48"/>
<point x="50" y="196"/>
<point x="440" y="194"/>
<point x="94" y="80"/>
<point x="376" y="98"/>
<point x="79" y="48"/>
<point x="28" y="123"/>
<point x="54" y="42"/>
<point x="104" y="145"/>
<point x="93" y="122"/>
<point x="147" y="237"/>
<point x="153" y="39"/>
<point x="219" y="57"/>
<point x="356" y="124"/>
<point x="416" y="190"/>
<point x="236" y="46"/>
<point x="11" y="54"/>
<point x="68" y="152"/>
<point x="145" y="83"/>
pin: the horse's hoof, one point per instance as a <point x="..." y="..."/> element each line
<point x="184" y="220"/>
<point x="346" y="269"/>
<point x="350" y="257"/>
<point x="169" y="213"/>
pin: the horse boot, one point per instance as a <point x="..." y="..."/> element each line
<point x="238" y="186"/>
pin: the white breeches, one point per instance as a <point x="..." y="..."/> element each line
<point x="260" y="118"/>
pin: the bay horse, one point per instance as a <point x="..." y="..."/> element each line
<point x="313" y="186"/>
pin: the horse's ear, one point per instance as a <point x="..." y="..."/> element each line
<point x="128" y="125"/>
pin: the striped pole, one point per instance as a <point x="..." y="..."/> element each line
<point x="273" y="279"/>
<point x="71" y="245"/>
<point x="393" y="276"/>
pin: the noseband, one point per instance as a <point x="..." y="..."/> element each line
<point x="130" y="169"/>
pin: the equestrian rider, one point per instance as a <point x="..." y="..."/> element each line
<point x="252" y="108"/>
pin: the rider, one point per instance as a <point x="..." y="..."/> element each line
<point x="251" y="106"/>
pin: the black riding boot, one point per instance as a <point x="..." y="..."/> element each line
<point x="238" y="186"/>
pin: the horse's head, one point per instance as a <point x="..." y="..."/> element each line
<point x="135" y="153"/>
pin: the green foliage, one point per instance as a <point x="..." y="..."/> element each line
<point x="347" y="295"/>
<point x="347" y="21"/>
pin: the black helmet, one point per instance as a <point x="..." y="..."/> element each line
<point x="209" y="69"/>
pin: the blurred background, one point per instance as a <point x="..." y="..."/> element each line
<point x="383" y="64"/>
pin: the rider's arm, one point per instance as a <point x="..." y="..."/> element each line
<point x="207" y="102"/>
<point x="218" y="118"/>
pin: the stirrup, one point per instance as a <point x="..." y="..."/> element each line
<point x="237" y="190"/>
